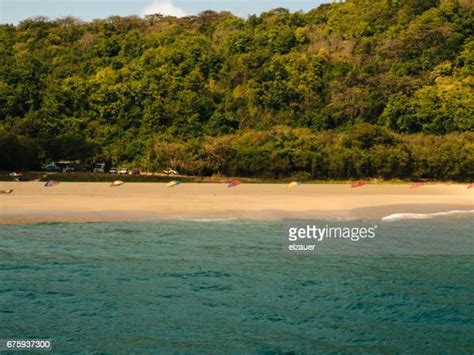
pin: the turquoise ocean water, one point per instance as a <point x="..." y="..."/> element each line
<point x="226" y="286"/>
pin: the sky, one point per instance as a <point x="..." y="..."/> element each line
<point x="13" y="11"/>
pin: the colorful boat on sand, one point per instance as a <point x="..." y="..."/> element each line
<point x="358" y="184"/>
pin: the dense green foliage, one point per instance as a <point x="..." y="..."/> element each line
<point x="365" y="88"/>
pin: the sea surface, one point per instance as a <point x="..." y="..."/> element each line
<point x="227" y="286"/>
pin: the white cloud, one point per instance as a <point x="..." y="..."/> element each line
<point x="164" y="7"/>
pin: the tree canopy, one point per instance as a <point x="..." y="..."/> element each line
<point x="345" y="90"/>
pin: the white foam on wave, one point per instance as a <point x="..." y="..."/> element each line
<point x="405" y="216"/>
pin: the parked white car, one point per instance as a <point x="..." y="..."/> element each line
<point x="123" y="171"/>
<point x="99" y="168"/>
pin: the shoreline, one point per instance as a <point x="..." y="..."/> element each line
<point x="38" y="217"/>
<point x="97" y="202"/>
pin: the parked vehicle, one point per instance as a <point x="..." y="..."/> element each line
<point x="135" y="172"/>
<point x="18" y="176"/>
<point x="123" y="171"/>
<point x="170" y="172"/>
<point x="68" y="166"/>
<point x="99" y="168"/>
<point x="53" y="167"/>
<point x="113" y="170"/>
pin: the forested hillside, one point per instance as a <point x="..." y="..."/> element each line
<point x="365" y="88"/>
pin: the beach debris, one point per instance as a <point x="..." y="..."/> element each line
<point x="417" y="185"/>
<point x="6" y="192"/>
<point x="117" y="183"/>
<point x="233" y="183"/>
<point x="51" y="183"/>
<point x="471" y="185"/>
<point x="294" y="184"/>
<point x="358" y="184"/>
<point x="173" y="183"/>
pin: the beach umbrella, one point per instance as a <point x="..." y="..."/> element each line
<point x="233" y="183"/>
<point x="471" y="185"/>
<point x="358" y="184"/>
<point x="173" y="183"/>
<point x="294" y="184"/>
<point x="417" y="185"/>
<point x="51" y="183"/>
<point x="117" y="183"/>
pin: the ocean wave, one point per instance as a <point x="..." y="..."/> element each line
<point x="405" y="216"/>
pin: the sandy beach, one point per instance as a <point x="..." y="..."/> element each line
<point x="30" y="202"/>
